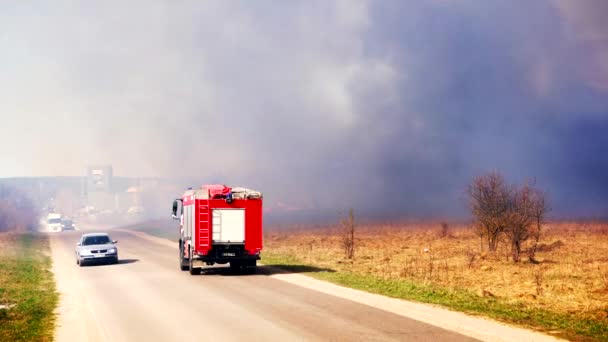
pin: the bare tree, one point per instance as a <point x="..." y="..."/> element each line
<point x="519" y="219"/>
<point x="480" y="231"/>
<point x="348" y="234"/>
<point x="502" y="210"/>
<point x="444" y="231"/>
<point x="540" y="208"/>
<point x="529" y="206"/>
<point x="490" y="201"/>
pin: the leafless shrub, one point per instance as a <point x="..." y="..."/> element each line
<point x="348" y="234"/>
<point x="516" y="213"/>
<point x="446" y="269"/>
<point x="519" y="220"/>
<point x="444" y="231"/>
<point x="410" y="267"/>
<point x="471" y="256"/>
<point x="539" y="278"/>
<point x="311" y="245"/>
<point x="540" y="208"/>
<point x="527" y="213"/>
<point x="387" y="266"/>
<point x="489" y="201"/>
<point x="430" y="267"/>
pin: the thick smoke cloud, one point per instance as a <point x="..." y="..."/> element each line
<point x="388" y="106"/>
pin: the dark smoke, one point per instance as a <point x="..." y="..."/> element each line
<point x="388" y="106"/>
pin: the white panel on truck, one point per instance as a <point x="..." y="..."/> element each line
<point x="228" y="225"/>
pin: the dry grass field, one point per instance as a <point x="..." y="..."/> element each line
<point x="571" y="277"/>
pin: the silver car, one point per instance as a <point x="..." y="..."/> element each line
<point x="96" y="247"/>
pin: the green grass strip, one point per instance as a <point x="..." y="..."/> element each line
<point x="27" y="282"/>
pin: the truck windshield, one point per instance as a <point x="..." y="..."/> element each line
<point x="96" y="240"/>
<point x="54" y="220"/>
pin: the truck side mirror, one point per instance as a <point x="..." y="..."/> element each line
<point x="174" y="211"/>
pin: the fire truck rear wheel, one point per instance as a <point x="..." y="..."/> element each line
<point x="235" y="266"/>
<point x="251" y="267"/>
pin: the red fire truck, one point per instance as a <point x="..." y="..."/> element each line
<point x="219" y="225"/>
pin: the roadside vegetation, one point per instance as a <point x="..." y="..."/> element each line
<point x="565" y="292"/>
<point x="509" y="263"/>
<point x="27" y="289"/>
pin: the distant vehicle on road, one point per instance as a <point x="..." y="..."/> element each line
<point x="53" y="222"/>
<point x="67" y="224"/>
<point x="96" y="247"/>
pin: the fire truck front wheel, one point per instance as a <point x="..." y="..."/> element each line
<point x="193" y="270"/>
<point x="183" y="263"/>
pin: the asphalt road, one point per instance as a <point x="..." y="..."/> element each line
<point x="147" y="298"/>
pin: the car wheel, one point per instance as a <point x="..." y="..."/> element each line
<point x="81" y="263"/>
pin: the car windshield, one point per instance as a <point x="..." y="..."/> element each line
<point x="67" y="222"/>
<point x="54" y="220"/>
<point x="96" y="240"/>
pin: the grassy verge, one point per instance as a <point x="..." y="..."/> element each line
<point x="573" y="326"/>
<point x="27" y="286"/>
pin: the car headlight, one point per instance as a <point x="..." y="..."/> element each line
<point x="84" y="252"/>
<point x="112" y="250"/>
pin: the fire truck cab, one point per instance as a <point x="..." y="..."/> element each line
<point x="219" y="225"/>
